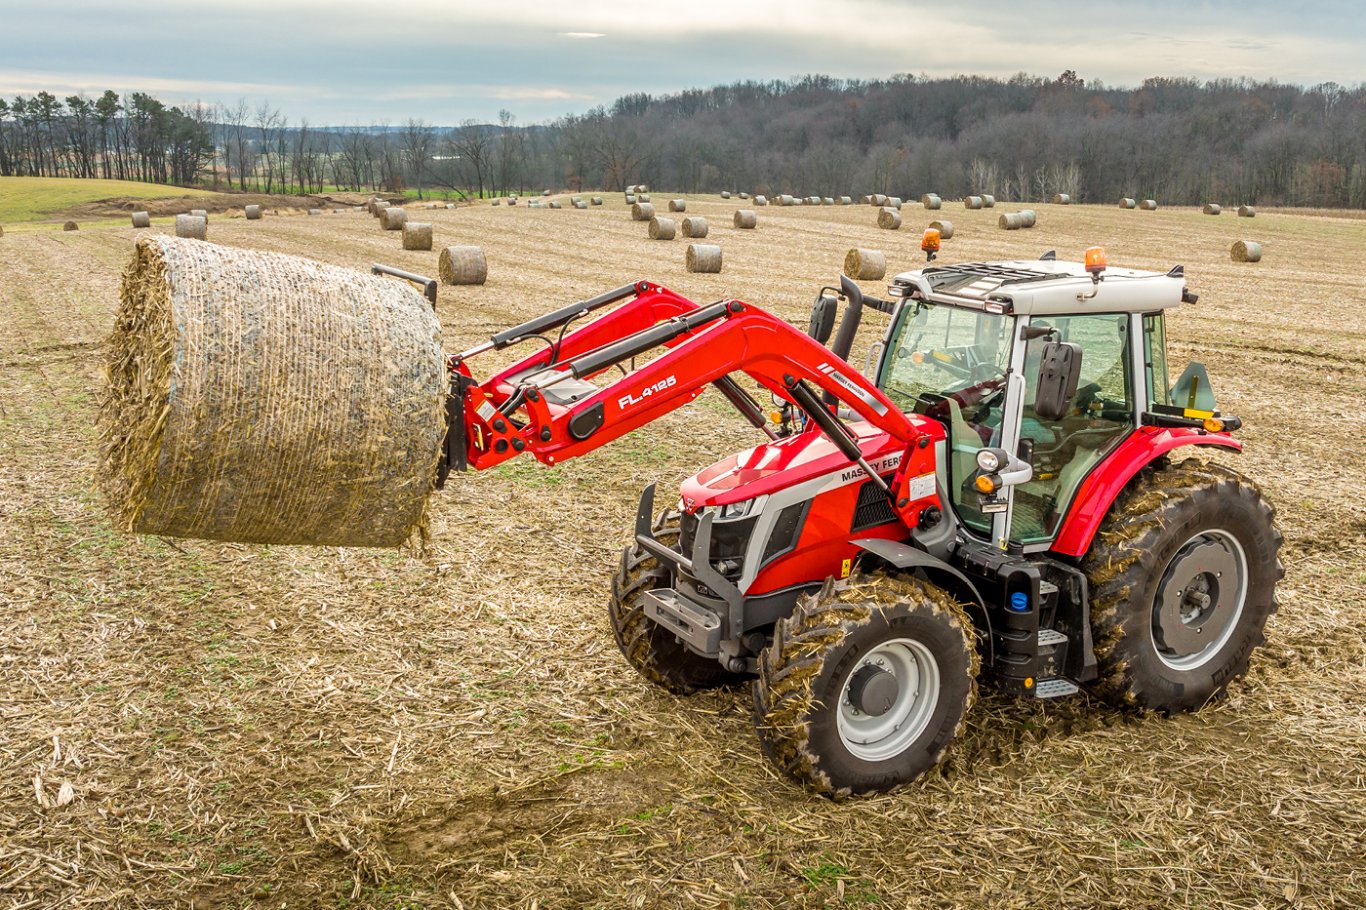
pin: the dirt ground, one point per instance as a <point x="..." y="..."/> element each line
<point x="192" y="724"/>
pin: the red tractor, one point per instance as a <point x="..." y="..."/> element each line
<point x="1001" y="500"/>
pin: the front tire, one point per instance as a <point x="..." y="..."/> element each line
<point x="1183" y="577"/>
<point x="655" y="652"/>
<point x="862" y="689"/>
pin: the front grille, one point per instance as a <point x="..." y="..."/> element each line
<point x="873" y="507"/>
<point x="728" y="538"/>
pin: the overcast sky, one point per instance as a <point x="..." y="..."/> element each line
<point x="359" y="61"/>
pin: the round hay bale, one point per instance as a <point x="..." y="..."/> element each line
<point x="1247" y="251"/>
<point x="1212" y="208"/>
<point x="253" y="212"/>
<point x="865" y="265"/>
<point x="642" y="211"/>
<point x="576" y="199"/>
<point x="945" y="228"/>
<point x="580" y="204"/>
<point x="496" y="202"/>
<point x="192" y="226"/>
<point x="678" y="205"/>
<point x="417" y="235"/>
<point x="662" y="228"/>
<point x="877" y="199"/>
<point x="703" y="257"/>
<point x="744" y="195"/>
<point x="894" y="202"/>
<point x="844" y="200"/>
<point x="630" y="199"/>
<point x="1027" y="218"/>
<point x="1062" y="199"/>
<point x="889" y="218"/>
<point x="557" y="204"/>
<point x="725" y="194"/>
<point x="393" y="219"/>
<point x="545" y="192"/>
<point x="695" y="227"/>
<point x="785" y="199"/>
<point x="1010" y="221"/>
<point x="931" y="201"/>
<point x="745" y="219"/>
<point x="71" y="226"/>
<point x="972" y="202"/>
<point x="813" y="200"/>
<point x="596" y="200"/>
<point x="865" y="200"/>
<point x="827" y="200"/>
<point x="378" y="209"/>
<point x="1148" y="205"/>
<point x="315" y="211"/>
<point x="142" y="220"/>
<point x="1246" y="211"/>
<point x="1127" y="203"/>
<point x="760" y="200"/>
<point x="450" y="205"/>
<point x="988" y="202"/>
<point x="264" y="398"/>
<point x="462" y="265"/>
<point x="202" y="213"/>
<point x="642" y="197"/>
<point x="644" y="188"/>
<point x="512" y="200"/>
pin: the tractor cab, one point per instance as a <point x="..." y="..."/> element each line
<point x="1038" y="370"/>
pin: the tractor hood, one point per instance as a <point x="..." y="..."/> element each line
<point x="785" y="462"/>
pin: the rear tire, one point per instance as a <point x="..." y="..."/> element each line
<point x="655" y="652"/>
<point x="862" y="689"/>
<point x="1183" y="577"/>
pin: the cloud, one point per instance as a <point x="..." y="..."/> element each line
<point x="584" y="34"/>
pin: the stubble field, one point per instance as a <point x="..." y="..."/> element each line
<point x="193" y="724"/>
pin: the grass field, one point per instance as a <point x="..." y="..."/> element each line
<point x="39" y="198"/>
<point x="186" y="723"/>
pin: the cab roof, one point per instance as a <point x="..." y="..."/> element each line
<point x="1044" y="287"/>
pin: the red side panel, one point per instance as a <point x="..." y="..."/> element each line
<point x="1103" y="484"/>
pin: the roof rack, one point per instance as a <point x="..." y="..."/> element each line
<point x="1007" y="274"/>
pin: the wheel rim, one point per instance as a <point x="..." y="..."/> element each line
<point x="1199" y="600"/>
<point x="878" y="737"/>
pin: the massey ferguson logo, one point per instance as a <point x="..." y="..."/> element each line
<point x="880" y="467"/>
<point x="849" y="384"/>
<point x="628" y="399"/>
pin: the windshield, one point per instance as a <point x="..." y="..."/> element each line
<point x="950" y="363"/>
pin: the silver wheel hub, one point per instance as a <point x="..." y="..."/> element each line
<point x="888" y="699"/>
<point x="1199" y="600"/>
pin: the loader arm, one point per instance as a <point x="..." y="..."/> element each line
<point x="523" y="408"/>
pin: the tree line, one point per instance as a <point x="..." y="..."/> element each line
<point x="1026" y="138"/>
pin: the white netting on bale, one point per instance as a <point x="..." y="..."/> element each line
<point x="264" y="398"/>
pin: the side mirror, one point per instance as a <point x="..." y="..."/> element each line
<point x="1059" y="370"/>
<point x="822" y="318"/>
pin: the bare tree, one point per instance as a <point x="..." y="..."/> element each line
<point x="417" y="149"/>
<point x="471" y="144"/>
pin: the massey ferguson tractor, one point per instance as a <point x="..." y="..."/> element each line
<point x="1002" y="499"/>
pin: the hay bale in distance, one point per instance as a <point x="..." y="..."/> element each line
<point x="786" y="199"/>
<point x="725" y="194"/>
<point x="945" y="228"/>
<point x="931" y="201"/>
<point x="1247" y="251"/>
<point x="844" y="200"/>
<point x="760" y="200"/>
<point x="703" y="257"/>
<point x="695" y="227"/>
<point x="744" y="195"/>
<point x="988" y="202"/>
<point x="496" y="202"/>
<point x="745" y="219"/>
<point x="642" y="211"/>
<point x="827" y="200"/>
<point x="1062" y="199"/>
<point x="71" y="226"/>
<point x="972" y="202"/>
<point x="1212" y="208"/>
<point x="877" y="199"/>
<point x="1148" y="205"/>
<point x="662" y="228"/>
<point x="194" y="227"/>
<point x="865" y="265"/>
<point x="894" y="202"/>
<point x="556" y="204"/>
<point x="417" y="235"/>
<point x="315" y="211"/>
<point x="1246" y="211"/>
<point x="1010" y="221"/>
<point x="254" y="212"/>
<point x="462" y="265"/>
<point x="308" y="402"/>
<point x="596" y="200"/>
<point x="393" y="219"/>
<point x="678" y="205"/>
<point x="889" y="218"/>
<point x="1027" y="218"/>
<point x="1127" y="203"/>
<point x="630" y="199"/>
<point x="202" y="213"/>
<point x="142" y="220"/>
<point x="580" y="204"/>
<point x="642" y="197"/>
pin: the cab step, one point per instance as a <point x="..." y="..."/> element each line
<point x="1055" y="687"/>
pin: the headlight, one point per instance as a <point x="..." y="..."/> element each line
<point x="990" y="460"/>
<point x="732" y="510"/>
